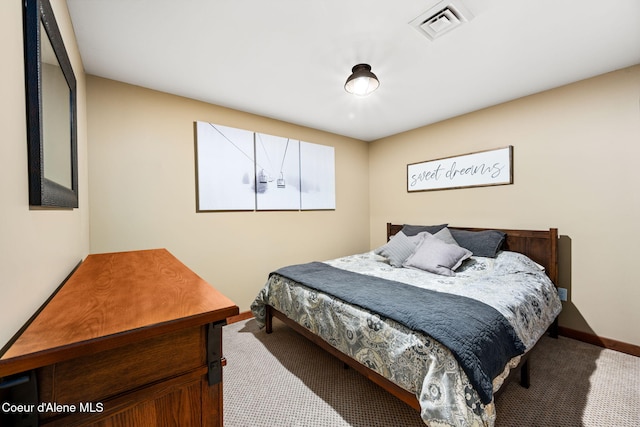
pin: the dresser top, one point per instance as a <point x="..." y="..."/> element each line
<point x="113" y="299"/>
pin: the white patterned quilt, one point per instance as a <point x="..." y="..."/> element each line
<point x="511" y="283"/>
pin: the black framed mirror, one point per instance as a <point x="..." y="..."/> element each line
<point x="51" y="111"/>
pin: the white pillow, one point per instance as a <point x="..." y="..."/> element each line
<point x="435" y="256"/>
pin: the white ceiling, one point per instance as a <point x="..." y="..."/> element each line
<point x="289" y="59"/>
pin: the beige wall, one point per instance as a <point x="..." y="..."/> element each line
<point x="576" y="152"/>
<point x="142" y="184"/>
<point x="575" y="168"/>
<point x="38" y="248"/>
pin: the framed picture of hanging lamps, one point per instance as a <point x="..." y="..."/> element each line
<point x="240" y="170"/>
<point x="278" y="172"/>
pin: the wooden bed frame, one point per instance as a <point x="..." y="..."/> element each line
<point x="539" y="245"/>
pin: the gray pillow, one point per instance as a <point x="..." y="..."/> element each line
<point x="435" y="256"/>
<point x="485" y="243"/>
<point x="445" y="236"/>
<point x="412" y="230"/>
<point x="397" y="250"/>
<point x="418" y="237"/>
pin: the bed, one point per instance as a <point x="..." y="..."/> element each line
<point x="441" y="336"/>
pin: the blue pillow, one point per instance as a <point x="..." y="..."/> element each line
<point x="412" y="230"/>
<point x="485" y="243"/>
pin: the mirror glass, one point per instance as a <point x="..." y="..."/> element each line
<point x="56" y="117"/>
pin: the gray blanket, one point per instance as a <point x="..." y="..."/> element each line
<point x="479" y="336"/>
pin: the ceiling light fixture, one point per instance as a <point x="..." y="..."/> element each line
<point x="362" y="81"/>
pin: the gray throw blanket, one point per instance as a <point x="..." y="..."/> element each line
<point x="479" y="337"/>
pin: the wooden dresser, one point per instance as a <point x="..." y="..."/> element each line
<point x="131" y="339"/>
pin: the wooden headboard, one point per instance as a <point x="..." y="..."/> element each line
<point x="539" y="245"/>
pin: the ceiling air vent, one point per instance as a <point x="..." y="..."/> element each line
<point x="442" y="18"/>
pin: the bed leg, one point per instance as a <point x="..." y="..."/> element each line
<point x="525" y="379"/>
<point x="553" y="329"/>
<point x="268" y="319"/>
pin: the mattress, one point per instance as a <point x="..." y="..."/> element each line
<point x="510" y="283"/>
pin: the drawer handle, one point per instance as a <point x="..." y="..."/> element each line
<point x="15" y="381"/>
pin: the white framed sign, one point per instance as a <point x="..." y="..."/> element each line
<point x="479" y="169"/>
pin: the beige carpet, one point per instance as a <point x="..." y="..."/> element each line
<point x="282" y="379"/>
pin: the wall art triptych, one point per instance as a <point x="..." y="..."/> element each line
<point x="241" y="170"/>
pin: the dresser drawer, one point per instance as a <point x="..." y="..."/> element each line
<point x="106" y="374"/>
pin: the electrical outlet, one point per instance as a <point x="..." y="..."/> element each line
<point x="562" y="293"/>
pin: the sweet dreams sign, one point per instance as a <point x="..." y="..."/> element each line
<point x="479" y="169"/>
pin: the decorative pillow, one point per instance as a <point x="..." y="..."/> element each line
<point x="417" y="238"/>
<point x="435" y="256"/>
<point x="445" y="236"/>
<point x="397" y="250"/>
<point x="412" y="230"/>
<point x="485" y="243"/>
